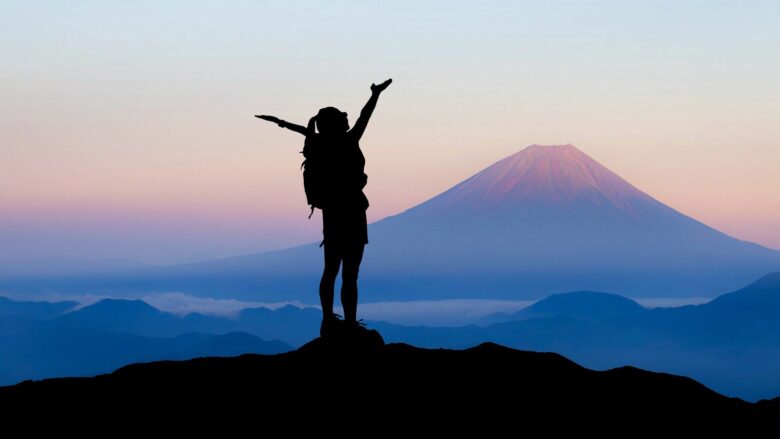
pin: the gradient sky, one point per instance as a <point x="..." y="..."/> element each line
<point x="126" y="127"/>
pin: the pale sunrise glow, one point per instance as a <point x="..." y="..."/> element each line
<point x="126" y="128"/>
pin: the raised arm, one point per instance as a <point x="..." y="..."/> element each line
<point x="365" y="114"/>
<point x="284" y="124"/>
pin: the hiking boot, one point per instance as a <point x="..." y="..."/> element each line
<point x="355" y="329"/>
<point x="354" y="325"/>
<point x="361" y="337"/>
<point x="330" y="325"/>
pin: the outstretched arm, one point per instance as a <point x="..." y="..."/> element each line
<point x="284" y="124"/>
<point x="365" y="114"/>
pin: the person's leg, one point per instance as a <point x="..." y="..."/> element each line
<point x="349" y="276"/>
<point x="328" y="281"/>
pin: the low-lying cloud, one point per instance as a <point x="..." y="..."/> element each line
<point x="455" y="312"/>
<point x="183" y="304"/>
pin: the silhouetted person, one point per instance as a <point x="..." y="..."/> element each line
<point x="344" y="226"/>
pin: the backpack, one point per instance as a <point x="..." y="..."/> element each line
<point x="314" y="170"/>
<point x="322" y="177"/>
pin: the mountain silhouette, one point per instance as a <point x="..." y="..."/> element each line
<point x="583" y="305"/>
<point x="547" y="218"/>
<point x="550" y="218"/>
<point x="749" y="316"/>
<point x="548" y="181"/>
<point x="403" y="388"/>
<point x="760" y="300"/>
<point x="118" y="315"/>
<point x="731" y="344"/>
<point x="40" y="349"/>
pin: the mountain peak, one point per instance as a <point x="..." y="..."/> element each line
<point x="583" y="305"/>
<point x="550" y="147"/>
<point x="123" y="306"/>
<point x="543" y="177"/>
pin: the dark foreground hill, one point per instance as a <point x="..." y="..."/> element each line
<point x="488" y="389"/>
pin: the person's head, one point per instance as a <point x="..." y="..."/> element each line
<point x="331" y="120"/>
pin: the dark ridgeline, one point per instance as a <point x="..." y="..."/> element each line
<point x="334" y="179"/>
<point x="731" y="345"/>
<point x="397" y="388"/>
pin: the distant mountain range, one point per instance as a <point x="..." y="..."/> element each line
<point x="731" y="344"/>
<point x="102" y="337"/>
<point x="488" y="390"/>
<point x="546" y="219"/>
<point x="293" y="325"/>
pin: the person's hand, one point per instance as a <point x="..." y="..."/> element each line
<point x="381" y="87"/>
<point x="273" y="119"/>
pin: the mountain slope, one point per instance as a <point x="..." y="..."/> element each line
<point x="117" y="315"/>
<point x="551" y="218"/>
<point x="403" y="388"/>
<point x="748" y="316"/>
<point x="731" y="344"/>
<point x="558" y="176"/>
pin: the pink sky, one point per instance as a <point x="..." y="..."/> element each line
<point x="127" y="131"/>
